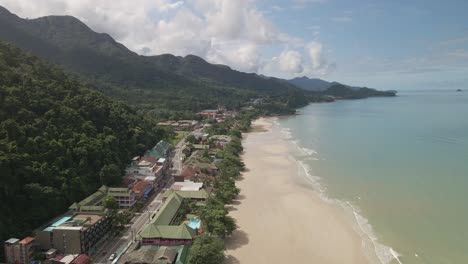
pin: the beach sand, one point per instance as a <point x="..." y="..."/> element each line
<point x="280" y="218"/>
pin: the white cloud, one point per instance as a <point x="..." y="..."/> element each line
<point x="222" y="31"/>
<point x="290" y="61"/>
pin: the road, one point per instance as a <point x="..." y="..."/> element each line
<point x="117" y="244"/>
<point x="177" y="160"/>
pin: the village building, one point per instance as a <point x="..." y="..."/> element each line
<point x="220" y="140"/>
<point x="142" y="190"/>
<point x="73" y="234"/>
<point x="181" y="125"/>
<point x="161" y="150"/>
<point x="69" y="259"/>
<point x="125" y="197"/>
<point x="158" y="255"/>
<point x="20" y="251"/>
<point x="187" y="186"/>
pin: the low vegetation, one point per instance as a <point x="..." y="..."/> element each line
<point x="209" y="247"/>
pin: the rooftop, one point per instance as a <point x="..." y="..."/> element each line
<point x="12" y="241"/>
<point x="140" y="186"/>
<point x="168" y="210"/>
<point x="27" y="240"/>
<point x="181" y="231"/>
<point x="160" y="150"/>
<point x="87" y="219"/>
<point x="201" y="194"/>
<point x="60" y="221"/>
<point x="187" y="186"/>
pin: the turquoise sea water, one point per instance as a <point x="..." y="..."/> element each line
<point x="402" y="161"/>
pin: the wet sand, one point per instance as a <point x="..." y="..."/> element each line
<point x="280" y="218"/>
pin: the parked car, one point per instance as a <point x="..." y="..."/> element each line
<point x="112" y="257"/>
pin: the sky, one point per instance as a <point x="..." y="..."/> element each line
<point x="394" y="44"/>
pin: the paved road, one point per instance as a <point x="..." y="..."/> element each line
<point x="118" y="244"/>
<point x="177" y="161"/>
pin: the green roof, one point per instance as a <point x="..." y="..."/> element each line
<point x="91" y="208"/>
<point x="93" y="199"/>
<point x="169" y="210"/>
<point x="167" y="231"/>
<point x="201" y="194"/>
<point x="74" y="206"/>
<point x="118" y="192"/>
<point x="200" y="146"/>
<point x="182" y="251"/>
<point x="160" y="150"/>
<point x="182" y="254"/>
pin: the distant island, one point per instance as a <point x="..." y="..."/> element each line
<point x="335" y="90"/>
<point x="459" y="90"/>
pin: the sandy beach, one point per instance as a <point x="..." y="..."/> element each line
<point x="280" y="218"/>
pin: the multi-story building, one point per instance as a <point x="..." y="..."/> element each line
<point x="74" y="234"/>
<point x="19" y="251"/>
<point x="124" y="196"/>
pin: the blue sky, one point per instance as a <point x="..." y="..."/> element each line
<point x="382" y="44"/>
<point x="388" y="44"/>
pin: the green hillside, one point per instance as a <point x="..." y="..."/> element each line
<point x="162" y="82"/>
<point x="59" y="141"/>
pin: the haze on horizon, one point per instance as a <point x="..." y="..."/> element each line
<point x="382" y="44"/>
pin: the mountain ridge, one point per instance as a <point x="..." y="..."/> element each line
<point x="120" y="72"/>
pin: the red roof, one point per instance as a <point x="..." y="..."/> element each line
<point x="27" y="240"/>
<point x="153" y="160"/>
<point x="140" y="186"/>
<point x="81" y="259"/>
<point x="188" y="172"/>
<point x="127" y="181"/>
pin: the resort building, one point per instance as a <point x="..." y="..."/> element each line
<point x="19" y="251"/>
<point x="200" y="195"/>
<point x="73" y="234"/>
<point x="167" y="227"/>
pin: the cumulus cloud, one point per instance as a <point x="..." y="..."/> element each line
<point x="221" y="31"/>
<point x="290" y="61"/>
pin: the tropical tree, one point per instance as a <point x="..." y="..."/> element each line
<point x="207" y="250"/>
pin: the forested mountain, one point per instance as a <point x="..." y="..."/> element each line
<point x="346" y="92"/>
<point x="311" y="84"/>
<point x="59" y="141"/>
<point x="335" y="89"/>
<point x="165" y="81"/>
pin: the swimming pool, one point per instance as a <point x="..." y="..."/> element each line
<point x="194" y="223"/>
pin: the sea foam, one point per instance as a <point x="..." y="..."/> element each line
<point x="383" y="253"/>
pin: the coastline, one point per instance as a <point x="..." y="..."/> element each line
<point x="280" y="218"/>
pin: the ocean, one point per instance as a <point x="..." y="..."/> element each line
<point x="400" y="165"/>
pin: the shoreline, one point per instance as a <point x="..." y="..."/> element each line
<point x="280" y="218"/>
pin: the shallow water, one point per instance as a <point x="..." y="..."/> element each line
<point x="402" y="163"/>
